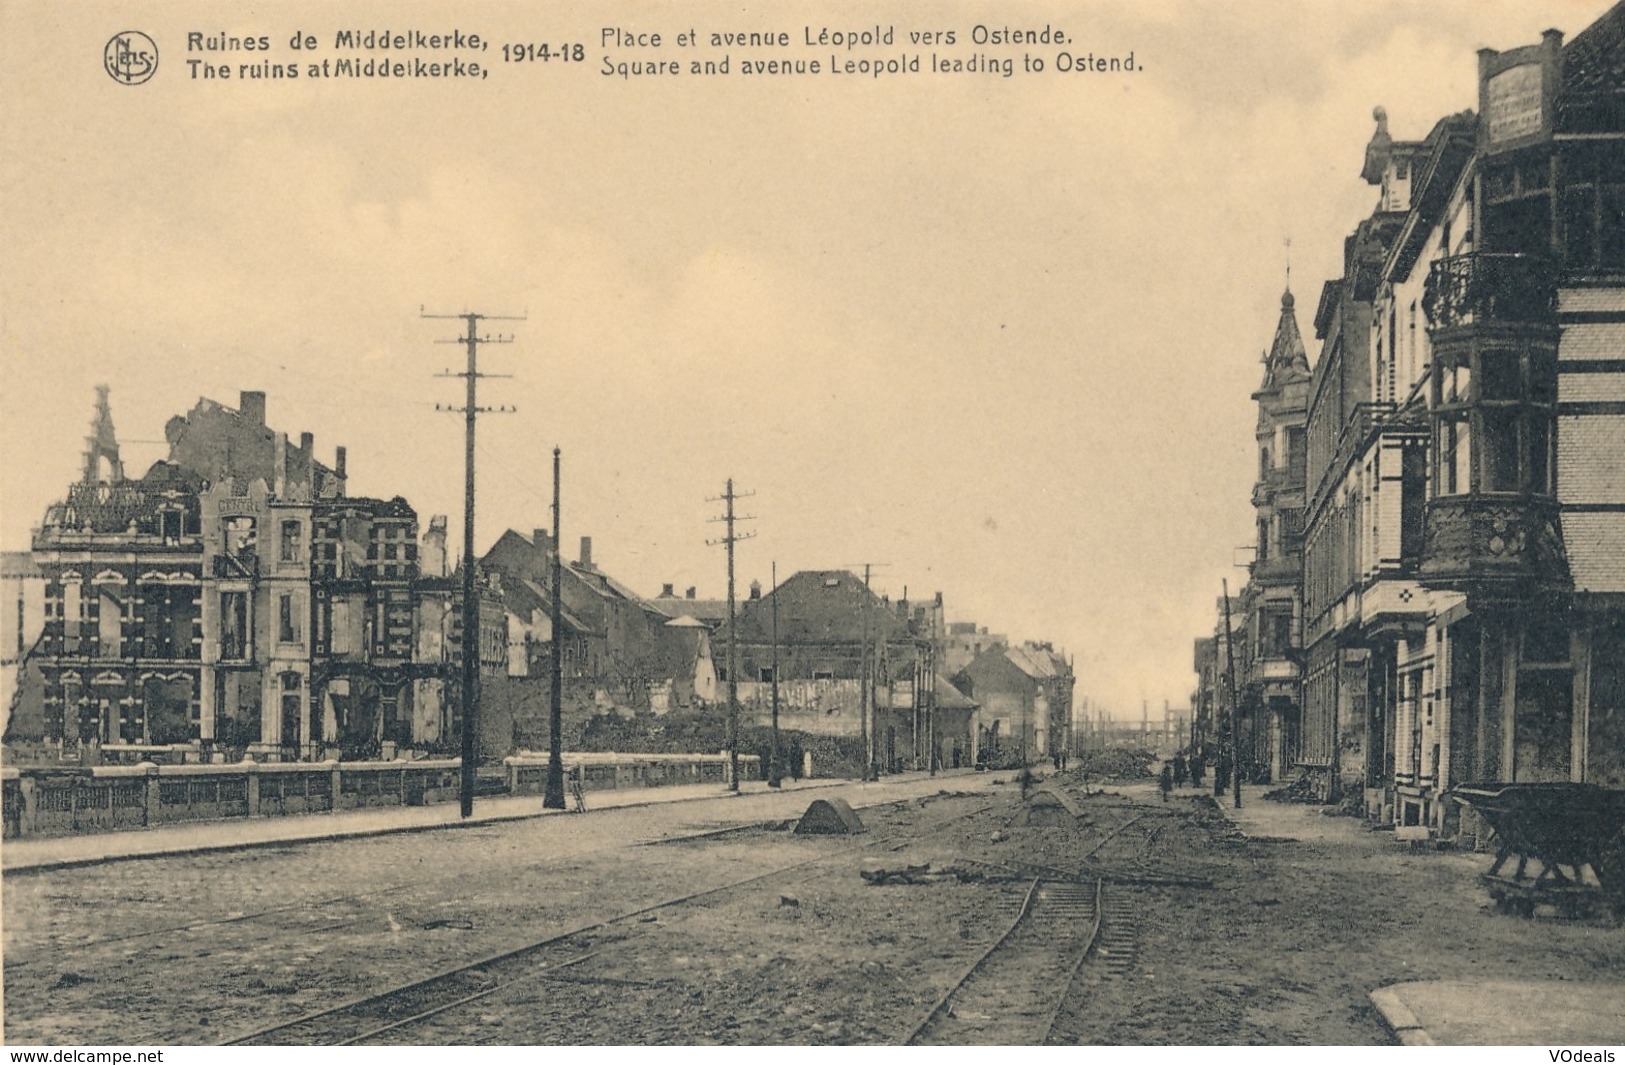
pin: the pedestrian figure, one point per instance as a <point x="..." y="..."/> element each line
<point x="1165" y="781"/>
<point x="1179" y="770"/>
<point x="1221" y="774"/>
<point x="1198" y="769"/>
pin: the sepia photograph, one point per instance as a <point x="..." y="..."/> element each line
<point x="669" y="523"/>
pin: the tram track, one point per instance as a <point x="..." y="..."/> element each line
<point x="1013" y="992"/>
<point x="18" y="956"/>
<point x="392" y="1009"/>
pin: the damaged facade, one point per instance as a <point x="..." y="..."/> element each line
<point x="237" y="600"/>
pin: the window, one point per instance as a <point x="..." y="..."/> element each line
<point x="1454" y="448"/>
<point x="1296" y="454"/>
<point x="1291" y="530"/>
<point x="239" y="537"/>
<point x="1499" y="446"/>
<point x="293" y="547"/>
<point x="1499" y="375"/>
<point x="1281" y="633"/>
<point x="288" y="627"/>
<point x="765" y="675"/>
<point x="234" y="635"/>
<point x="822" y="674"/>
<point x="1263" y="539"/>
<point x="1413" y="489"/>
<point x="1538" y="432"/>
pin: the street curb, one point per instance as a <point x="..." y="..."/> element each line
<point x="1398" y="1017"/>
<point x="51" y="866"/>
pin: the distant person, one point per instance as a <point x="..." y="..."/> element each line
<point x="1179" y="769"/>
<point x="1198" y="769"/>
<point x="1165" y="780"/>
<point x="1221" y="773"/>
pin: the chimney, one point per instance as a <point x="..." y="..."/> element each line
<point x="541" y="539"/>
<point x="339" y="455"/>
<point x="666" y="591"/>
<point x="755" y="589"/>
<point x="307" y="441"/>
<point x="433" y="562"/>
<point x="586" y="552"/>
<point x="251" y="405"/>
<point x="279" y="458"/>
<point x="307" y="460"/>
<point x="689" y="594"/>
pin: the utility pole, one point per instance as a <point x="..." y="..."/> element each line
<point x="471" y="607"/>
<point x="931" y="698"/>
<point x="775" y="772"/>
<point x="553" y="799"/>
<point x="871" y="769"/>
<point x="731" y="538"/>
<point x="1235" y="714"/>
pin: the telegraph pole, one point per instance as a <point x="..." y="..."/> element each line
<point x="1235" y="710"/>
<point x="729" y="539"/>
<point x="871" y="768"/>
<point x="775" y="776"/>
<point x="553" y="798"/>
<point x="471" y="607"/>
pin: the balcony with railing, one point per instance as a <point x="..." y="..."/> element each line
<point x="1484" y="288"/>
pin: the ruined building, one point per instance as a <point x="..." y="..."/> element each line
<point x="238" y="600"/>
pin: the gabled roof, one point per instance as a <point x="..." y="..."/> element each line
<point x="948" y="697"/>
<point x="1036" y="662"/>
<point x="1448" y="147"/>
<point x="711" y="612"/>
<point x="821" y="606"/>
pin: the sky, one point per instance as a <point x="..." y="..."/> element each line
<point x="995" y="336"/>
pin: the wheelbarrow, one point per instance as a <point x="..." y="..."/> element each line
<point x="1568" y="841"/>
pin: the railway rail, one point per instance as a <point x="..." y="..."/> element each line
<point x="312" y="910"/>
<point x="1013" y="992"/>
<point x="378" y="1014"/>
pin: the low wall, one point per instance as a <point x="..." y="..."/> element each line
<point x="527" y="773"/>
<point x="66" y="801"/>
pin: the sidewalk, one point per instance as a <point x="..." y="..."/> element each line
<point x="63" y="852"/>
<point x="1451" y="1012"/>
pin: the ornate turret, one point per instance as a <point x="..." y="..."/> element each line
<point x="1286" y="359"/>
<point x="102" y="446"/>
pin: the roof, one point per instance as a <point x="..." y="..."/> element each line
<point x="1036" y="662"/>
<point x="1448" y="147"/>
<point x="948" y="697"/>
<point x="821" y="606"/>
<point x="1286" y="360"/>
<point x="1594" y="61"/>
<point x="19" y="564"/>
<point x="710" y="612"/>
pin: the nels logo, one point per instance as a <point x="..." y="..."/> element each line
<point x="130" y="58"/>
